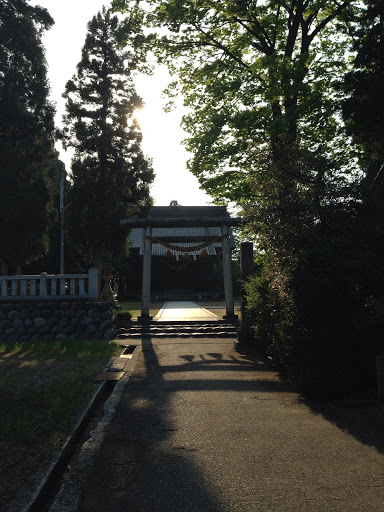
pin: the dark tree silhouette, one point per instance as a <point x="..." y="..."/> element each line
<point x="111" y="175"/>
<point x="27" y="152"/>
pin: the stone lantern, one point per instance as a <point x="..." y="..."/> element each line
<point x="107" y="292"/>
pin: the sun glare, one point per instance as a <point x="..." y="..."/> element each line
<point x="141" y="117"/>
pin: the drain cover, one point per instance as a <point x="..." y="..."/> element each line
<point x="128" y="351"/>
<point x="109" y="376"/>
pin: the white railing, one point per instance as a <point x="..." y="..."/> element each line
<point x="50" y="286"/>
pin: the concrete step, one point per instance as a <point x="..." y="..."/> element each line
<point x="181" y="330"/>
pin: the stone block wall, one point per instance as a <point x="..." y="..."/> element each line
<point x="55" y="320"/>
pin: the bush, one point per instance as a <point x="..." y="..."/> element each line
<point x="123" y="316"/>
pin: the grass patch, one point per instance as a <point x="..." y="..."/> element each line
<point x="41" y="383"/>
<point x="134" y="307"/>
<point x="43" y="389"/>
<point x="218" y="307"/>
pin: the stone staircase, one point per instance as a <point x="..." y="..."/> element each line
<point x="218" y="329"/>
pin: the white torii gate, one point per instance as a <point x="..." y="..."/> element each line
<point x="223" y="222"/>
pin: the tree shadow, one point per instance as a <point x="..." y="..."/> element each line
<point x="363" y="420"/>
<point x="145" y="463"/>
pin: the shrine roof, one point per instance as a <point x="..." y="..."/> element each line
<point x="185" y="212"/>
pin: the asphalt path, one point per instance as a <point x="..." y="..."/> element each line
<point x="201" y="427"/>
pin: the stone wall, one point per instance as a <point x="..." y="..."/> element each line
<point x="55" y="320"/>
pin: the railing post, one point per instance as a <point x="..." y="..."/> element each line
<point x="4" y="287"/>
<point x="93" y="283"/>
<point x="23" y="288"/>
<point x="43" y="284"/>
<point x="32" y="291"/>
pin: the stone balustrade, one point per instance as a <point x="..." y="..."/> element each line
<point x="50" y="286"/>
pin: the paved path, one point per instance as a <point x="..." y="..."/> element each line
<point x="184" y="310"/>
<point x="202" y="428"/>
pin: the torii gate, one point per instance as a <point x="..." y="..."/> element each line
<point x="223" y="222"/>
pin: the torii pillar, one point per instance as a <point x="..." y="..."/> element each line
<point x="148" y="224"/>
<point x="146" y="277"/>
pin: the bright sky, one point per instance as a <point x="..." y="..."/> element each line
<point x="162" y="134"/>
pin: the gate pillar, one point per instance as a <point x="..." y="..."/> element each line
<point x="146" y="278"/>
<point x="227" y="274"/>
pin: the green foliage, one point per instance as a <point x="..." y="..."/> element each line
<point x="363" y="112"/>
<point x="270" y="304"/>
<point x="262" y="81"/>
<point x="258" y="78"/>
<point x="27" y="151"/>
<point x="364" y="108"/>
<point x="111" y="176"/>
<point x="123" y="315"/>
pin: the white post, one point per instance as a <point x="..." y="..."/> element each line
<point x="32" y="292"/>
<point x="62" y="286"/>
<point x="227" y="273"/>
<point x="146" y="281"/>
<point x="43" y="284"/>
<point x="93" y="283"/>
<point x="4" y="287"/>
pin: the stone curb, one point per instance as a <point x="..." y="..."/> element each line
<point x="68" y="496"/>
<point x="67" y="450"/>
<point x="65" y="453"/>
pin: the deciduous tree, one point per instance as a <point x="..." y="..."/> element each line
<point x="363" y="111"/>
<point x="258" y="77"/>
<point x="266" y="132"/>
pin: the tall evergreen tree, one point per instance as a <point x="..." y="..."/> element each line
<point x="110" y="172"/>
<point x="26" y="134"/>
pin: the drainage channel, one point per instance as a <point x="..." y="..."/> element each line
<point x="57" y="474"/>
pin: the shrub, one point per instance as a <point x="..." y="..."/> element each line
<point x="125" y="316"/>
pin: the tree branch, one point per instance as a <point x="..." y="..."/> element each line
<point x="217" y="44"/>
<point x="264" y="46"/>
<point x="328" y="19"/>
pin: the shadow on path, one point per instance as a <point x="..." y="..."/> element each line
<point x="364" y="421"/>
<point x="202" y="428"/>
<point x="146" y="465"/>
